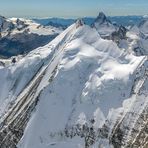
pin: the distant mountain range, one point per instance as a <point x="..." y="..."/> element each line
<point x="20" y="36"/>
<point x="122" y="20"/>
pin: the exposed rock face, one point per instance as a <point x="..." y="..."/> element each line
<point x="79" y="23"/>
<point x="103" y="25"/>
<point x="118" y="35"/>
<point x="102" y="19"/>
<point x="13" y="124"/>
<point x="20" y="24"/>
<point x="108" y="30"/>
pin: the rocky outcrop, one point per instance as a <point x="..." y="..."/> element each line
<point x="119" y="34"/>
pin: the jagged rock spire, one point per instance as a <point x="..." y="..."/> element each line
<point x="79" y="22"/>
<point x="101" y="18"/>
<point x="101" y="15"/>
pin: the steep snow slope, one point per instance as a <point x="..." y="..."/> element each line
<point x="85" y="79"/>
<point x="16" y="76"/>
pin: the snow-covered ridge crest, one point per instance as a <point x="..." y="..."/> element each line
<point x="25" y="68"/>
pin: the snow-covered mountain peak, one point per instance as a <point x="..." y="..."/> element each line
<point x="101" y="18"/>
<point x="73" y="92"/>
<point x="94" y="74"/>
<point x="103" y="25"/>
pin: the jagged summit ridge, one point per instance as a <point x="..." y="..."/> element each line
<point x="104" y="26"/>
<point x="79" y="22"/>
<point x="101" y="18"/>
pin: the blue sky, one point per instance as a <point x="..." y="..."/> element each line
<point x="72" y="8"/>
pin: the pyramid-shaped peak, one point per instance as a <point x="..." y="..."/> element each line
<point x="101" y="15"/>
<point x="101" y="18"/>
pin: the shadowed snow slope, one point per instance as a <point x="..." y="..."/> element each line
<point x="85" y="79"/>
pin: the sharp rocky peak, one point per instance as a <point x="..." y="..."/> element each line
<point x="79" y="22"/>
<point x="101" y="18"/>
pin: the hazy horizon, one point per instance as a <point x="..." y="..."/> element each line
<point x="72" y="9"/>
